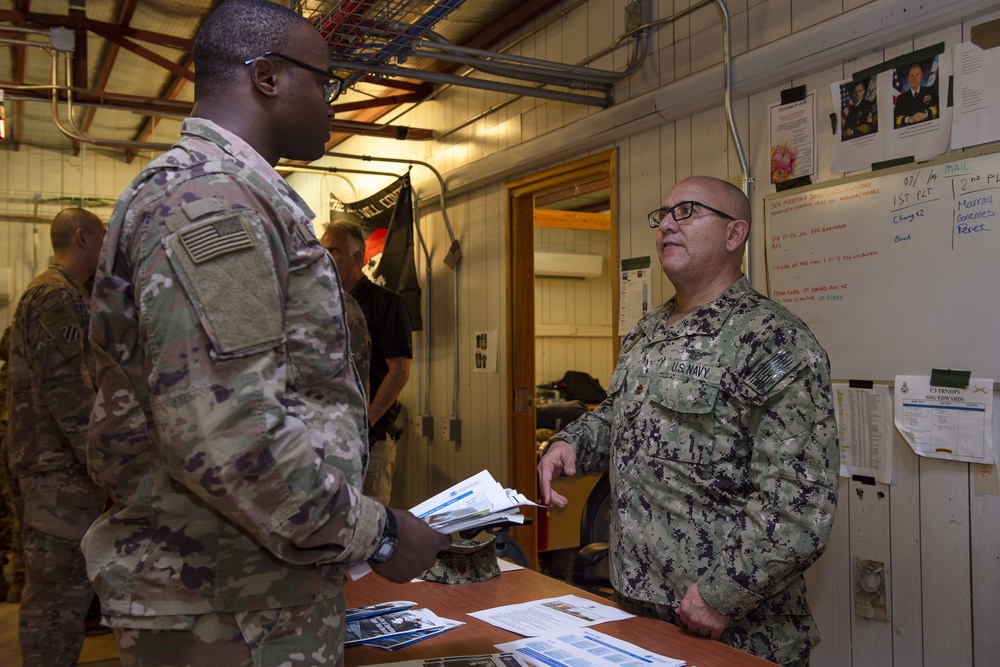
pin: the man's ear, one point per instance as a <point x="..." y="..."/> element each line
<point x="737" y="232"/>
<point x="264" y="77"/>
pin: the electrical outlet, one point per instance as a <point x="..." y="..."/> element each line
<point x="637" y="13"/>
<point x="444" y="430"/>
<point x="871" y="599"/>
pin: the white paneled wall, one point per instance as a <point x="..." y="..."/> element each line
<point x="937" y="526"/>
<point x="573" y="329"/>
<point x="35" y="184"/>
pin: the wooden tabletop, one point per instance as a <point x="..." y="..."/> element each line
<point x="476" y="637"/>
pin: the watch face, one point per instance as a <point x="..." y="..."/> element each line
<point x="386" y="548"/>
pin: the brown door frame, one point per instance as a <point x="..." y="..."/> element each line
<point x="521" y="316"/>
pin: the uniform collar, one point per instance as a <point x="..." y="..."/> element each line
<point x="705" y="321"/>
<point x="242" y="153"/>
<point x="56" y="266"/>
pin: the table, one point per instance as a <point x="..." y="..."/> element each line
<point x="476" y="637"/>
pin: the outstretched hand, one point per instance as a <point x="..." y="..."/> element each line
<point x="559" y="459"/>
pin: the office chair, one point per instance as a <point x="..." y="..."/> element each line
<point x="590" y="569"/>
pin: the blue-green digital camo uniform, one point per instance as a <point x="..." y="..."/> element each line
<point x="229" y="426"/>
<point x="51" y="392"/>
<point x="722" y="445"/>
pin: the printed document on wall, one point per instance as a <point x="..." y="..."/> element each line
<point x="864" y="424"/>
<point x="946" y="422"/>
<point x="977" y="97"/>
<point x="634" y="293"/>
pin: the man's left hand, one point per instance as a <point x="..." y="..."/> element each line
<point x="699" y="617"/>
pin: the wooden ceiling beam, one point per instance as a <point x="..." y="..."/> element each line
<point x="598" y="222"/>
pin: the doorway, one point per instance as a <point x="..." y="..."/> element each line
<point x="564" y="208"/>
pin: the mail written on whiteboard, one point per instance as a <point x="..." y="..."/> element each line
<point x="477" y="502"/>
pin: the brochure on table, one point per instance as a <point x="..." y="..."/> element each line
<point x="584" y="648"/>
<point x="540" y="617"/>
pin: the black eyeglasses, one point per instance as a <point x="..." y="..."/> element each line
<point x="681" y="211"/>
<point x="331" y="89"/>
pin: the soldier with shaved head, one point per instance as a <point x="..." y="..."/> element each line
<point x="51" y="391"/>
<point x="721" y="441"/>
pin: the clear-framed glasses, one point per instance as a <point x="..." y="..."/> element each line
<point x="681" y="211"/>
<point x="331" y="89"/>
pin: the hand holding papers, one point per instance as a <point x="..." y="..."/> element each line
<point x="474" y="503"/>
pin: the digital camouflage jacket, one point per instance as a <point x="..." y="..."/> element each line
<point x="721" y="439"/>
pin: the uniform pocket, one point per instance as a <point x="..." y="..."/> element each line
<point x="684" y="415"/>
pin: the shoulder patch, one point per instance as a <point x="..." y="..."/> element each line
<point x="770" y="372"/>
<point x="212" y="238"/>
<point x="64" y="329"/>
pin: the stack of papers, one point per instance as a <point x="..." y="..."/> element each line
<point x="476" y="502"/>
<point x="473" y="503"/>
<point x="393" y="625"/>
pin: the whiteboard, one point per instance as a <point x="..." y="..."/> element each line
<point x="895" y="273"/>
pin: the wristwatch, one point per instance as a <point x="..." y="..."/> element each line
<point x="387" y="545"/>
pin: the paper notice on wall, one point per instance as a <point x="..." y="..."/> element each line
<point x="864" y="424"/>
<point x="793" y="139"/>
<point x="977" y="97"/>
<point x="633" y="292"/>
<point x="946" y="422"/>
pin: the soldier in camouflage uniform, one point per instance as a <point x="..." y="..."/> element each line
<point x="229" y="426"/>
<point x="720" y="437"/>
<point x="51" y="393"/>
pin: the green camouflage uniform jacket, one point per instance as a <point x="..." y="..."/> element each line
<point x="230" y="423"/>
<point x="50" y="395"/>
<point x="720" y="436"/>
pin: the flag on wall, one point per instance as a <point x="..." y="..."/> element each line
<point x="386" y="220"/>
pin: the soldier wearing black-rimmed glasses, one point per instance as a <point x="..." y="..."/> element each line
<point x="720" y="437"/>
<point x="230" y="424"/>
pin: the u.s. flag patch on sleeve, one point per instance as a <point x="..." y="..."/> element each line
<point x="206" y="240"/>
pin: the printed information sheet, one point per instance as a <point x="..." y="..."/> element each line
<point x="864" y="424"/>
<point x="945" y="422"/>
<point x="541" y="617"/>
<point x="585" y="648"/>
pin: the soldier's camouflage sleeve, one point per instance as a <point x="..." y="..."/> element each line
<point x="51" y="376"/>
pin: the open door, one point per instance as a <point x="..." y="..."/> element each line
<point x="554" y="202"/>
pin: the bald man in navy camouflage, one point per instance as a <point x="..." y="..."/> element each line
<point x="720" y="437"/>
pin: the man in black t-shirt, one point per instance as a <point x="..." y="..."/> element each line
<point x="391" y="351"/>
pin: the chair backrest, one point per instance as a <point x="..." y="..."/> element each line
<point x="595" y="522"/>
